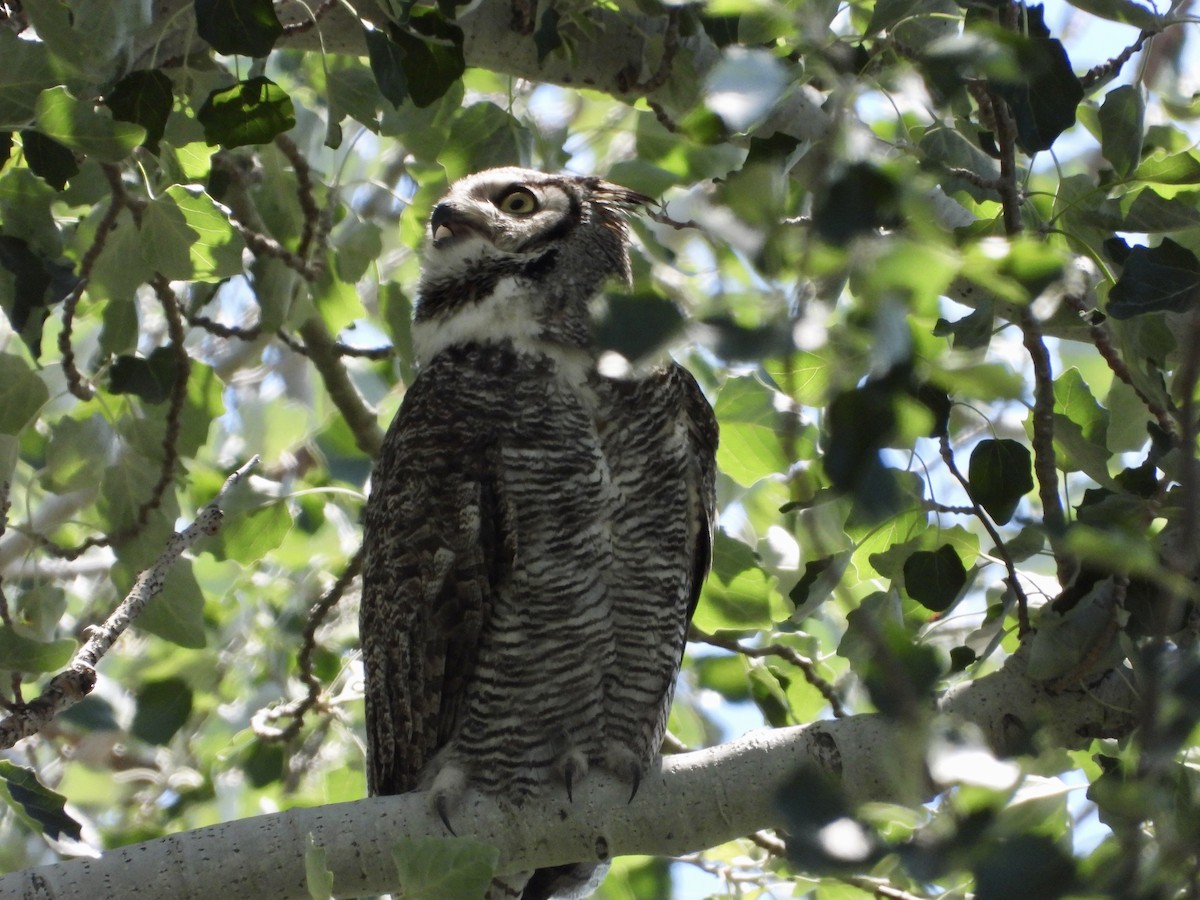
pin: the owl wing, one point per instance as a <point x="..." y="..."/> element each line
<point x="703" y="436"/>
<point x="437" y="544"/>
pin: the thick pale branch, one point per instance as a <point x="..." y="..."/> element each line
<point x="687" y="802"/>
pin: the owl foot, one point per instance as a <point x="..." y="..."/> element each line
<point x="446" y="792"/>
<point x="574" y="767"/>
<point x="623" y="763"/>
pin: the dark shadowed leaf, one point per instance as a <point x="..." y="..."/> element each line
<point x="243" y="27"/>
<point x="1044" y="101"/>
<point x="1000" y="473"/>
<point x="38" y="283"/>
<point x="1027" y="865"/>
<point x="48" y="159"/>
<point x="1154" y="279"/>
<point x="387" y="64"/>
<point x="162" y="708"/>
<point x="547" y="38"/>
<point x="1121" y="121"/>
<point x="149" y="378"/>
<point x="249" y="112"/>
<point x="38" y="806"/>
<point x="934" y="578"/>
<point x="862" y="200"/>
<point x="634" y="325"/>
<point x="145" y="98"/>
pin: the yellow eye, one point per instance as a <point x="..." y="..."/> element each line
<point x="518" y="201"/>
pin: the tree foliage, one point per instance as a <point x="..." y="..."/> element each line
<point x="940" y="282"/>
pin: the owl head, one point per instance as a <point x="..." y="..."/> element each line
<point x="516" y="254"/>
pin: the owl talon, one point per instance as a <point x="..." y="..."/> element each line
<point x="444" y="814"/>
<point x="446" y="791"/>
<point x="574" y="767"/>
<point x="637" y="783"/>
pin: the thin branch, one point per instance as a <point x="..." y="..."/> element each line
<point x="1103" y="343"/>
<point x="790" y="654"/>
<point x="170" y="441"/>
<point x="322" y="350"/>
<point x="304" y="193"/>
<point x="73" y="684"/>
<point x="1014" y="581"/>
<point x="1045" y="465"/>
<point x="76" y="383"/>
<point x="316" y="617"/>
<point x="1110" y="69"/>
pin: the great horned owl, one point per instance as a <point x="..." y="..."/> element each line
<point x="537" y="533"/>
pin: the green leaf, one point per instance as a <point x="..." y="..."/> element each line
<point x="1126" y="11"/>
<point x="28" y="70"/>
<point x="250" y="112"/>
<point x="1147" y="210"/>
<point x="82" y="128"/>
<point x="48" y="159"/>
<point x="248" y="536"/>
<point x="737" y="594"/>
<point x="750" y="447"/>
<point x="177" y="614"/>
<point x="162" y="709"/>
<point x="22" y="393"/>
<point x="244" y="27"/>
<point x="1121" y="121"/>
<point x="1000" y="474"/>
<point x="1154" y="279"/>
<point x="166" y="239"/>
<point x="144" y="97"/>
<point x="185" y="236"/>
<point x="444" y="868"/>
<point x="1073" y="399"/>
<point x="75" y="446"/>
<point x="22" y="654"/>
<point x="934" y="578"/>
<point x="40" y="808"/>
<point x="317" y="875"/>
<point x="1169" y="169"/>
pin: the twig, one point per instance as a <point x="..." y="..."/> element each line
<point x="1013" y="581"/>
<point x="1045" y="465"/>
<point x="1187" y="378"/>
<point x="76" y="383"/>
<point x="170" y="441"/>
<point x="316" y="617"/>
<point x="1103" y="342"/>
<point x="304" y="193"/>
<point x="1112" y="68"/>
<point x="73" y="684"/>
<point x="790" y="654"/>
<point x="322" y="350"/>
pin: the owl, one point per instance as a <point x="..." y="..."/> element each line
<point x="537" y="532"/>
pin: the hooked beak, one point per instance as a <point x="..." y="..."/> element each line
<point x="449" y="224"/>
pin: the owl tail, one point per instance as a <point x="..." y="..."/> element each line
<point x="571" y="882"/>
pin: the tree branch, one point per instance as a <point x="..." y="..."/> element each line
<point x="74" y="683"/>
<point x="686" y="802"/>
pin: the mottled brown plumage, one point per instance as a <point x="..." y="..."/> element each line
<point x="537" y="533"/>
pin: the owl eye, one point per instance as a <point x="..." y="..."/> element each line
<point x="518" y="201"/>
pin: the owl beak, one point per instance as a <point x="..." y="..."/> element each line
<point x="448" y="223"/>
